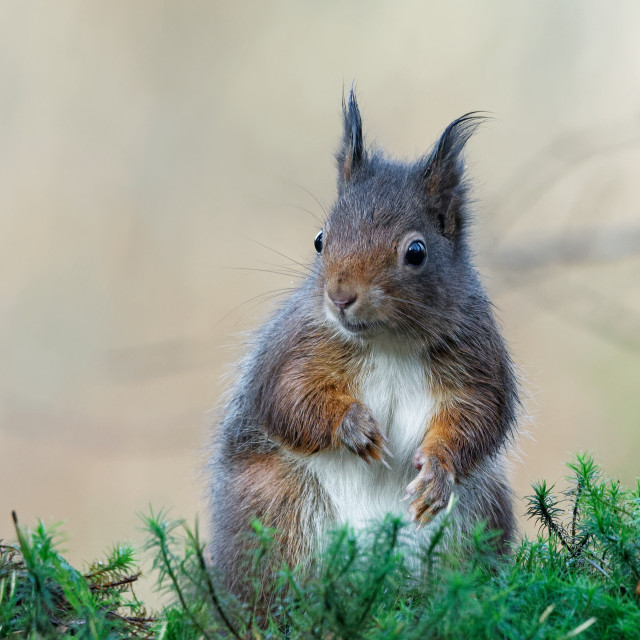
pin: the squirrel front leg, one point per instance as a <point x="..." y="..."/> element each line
<point x="470" y="425"/>
<point x="310" y="408"/>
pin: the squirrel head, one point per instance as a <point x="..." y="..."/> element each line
<point x="393" y="255"/>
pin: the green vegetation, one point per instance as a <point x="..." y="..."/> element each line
<point x="579" y="579"/>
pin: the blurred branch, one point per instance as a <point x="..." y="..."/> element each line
<point x="532" y="181"/>
<point x="522" y="264"/>
<point x="600" y="315"/>
<point x="578" y="247"/>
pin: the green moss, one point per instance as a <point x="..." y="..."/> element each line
<point x="580" y="578"/>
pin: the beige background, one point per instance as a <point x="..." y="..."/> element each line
<point x="146" y="148"/>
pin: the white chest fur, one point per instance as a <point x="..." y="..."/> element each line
<point x="393" y="385"/>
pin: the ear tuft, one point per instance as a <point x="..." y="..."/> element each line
<point x="444" y="167"/>
<point x="351" y="154"/>
<point x="444" y="172"/>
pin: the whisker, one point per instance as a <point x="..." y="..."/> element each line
<point x="313" y="196"/>
<point x="412" y="323"/>
<point x="261" y="297"/>
<point x="431" y="311"/>
<point x="313" y="215"/>
<point x="404" y="322"/>
<point x="311" y="270"/>
<point x="300" y="264"/>
<point x="280" y="273"/>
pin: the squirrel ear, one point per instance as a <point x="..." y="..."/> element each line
<point x="351" y="154"/>
<point x="444" y="173"/>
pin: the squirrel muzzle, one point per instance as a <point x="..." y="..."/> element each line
<point x="353" y="305"/>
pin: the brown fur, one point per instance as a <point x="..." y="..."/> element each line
<point x="305" y="403"/>
<point x="277" y="492"/>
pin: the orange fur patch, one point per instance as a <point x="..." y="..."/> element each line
<point x="311" y="395"/>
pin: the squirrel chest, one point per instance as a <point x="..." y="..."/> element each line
<point x="393" y="384"/>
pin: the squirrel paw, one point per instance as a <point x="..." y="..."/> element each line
<point x="360" y="432"/>
<point x="433" y="486"/>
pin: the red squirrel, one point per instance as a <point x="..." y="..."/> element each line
<point x="384" y="376"/>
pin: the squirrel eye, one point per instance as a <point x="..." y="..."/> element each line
<point x="317" y="243"/>
<point x="416" y="253"/>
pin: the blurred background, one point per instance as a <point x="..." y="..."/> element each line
<point x="150" y="151"/>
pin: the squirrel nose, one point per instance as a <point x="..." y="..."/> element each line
<point x="344" y="301"/>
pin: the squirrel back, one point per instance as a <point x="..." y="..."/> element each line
<point x="383" y="376"/>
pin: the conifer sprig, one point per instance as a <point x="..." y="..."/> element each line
<point x="579" y="578"/>
<point x="42" y="596"/>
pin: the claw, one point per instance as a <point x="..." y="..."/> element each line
<point x="414" y="486"/>
<point x="431" y="490"/>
